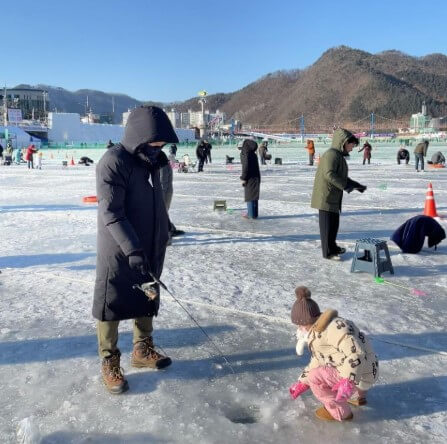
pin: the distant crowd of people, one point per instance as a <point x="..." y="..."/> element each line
<point x="420" y="152"/>
<point x="30" y="155"/>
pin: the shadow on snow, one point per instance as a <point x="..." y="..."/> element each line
<point x="40" y="208"/>
<point x="42" y="259"/>
<point x="71" y="347"/>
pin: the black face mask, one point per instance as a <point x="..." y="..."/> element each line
<point x="152" y="153"/>
<point x="149" y="155"/>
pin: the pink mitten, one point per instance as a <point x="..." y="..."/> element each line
<point x="298" y="389"/>
<point x="344" y="389"/>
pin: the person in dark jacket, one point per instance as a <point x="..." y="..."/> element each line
<point x="201" y="154"/>
<point x="403" y="154"/>
<point x="208" y="148"/>
<point x="133" y="229"/>
<point x="263" y="152"/>
<point x="366" y="148"/>
<point x="410" y="236"/>
<point x="166" y="181"/>
<point x="250" y="177"/>
<point x="84" y="160"/>
<point x="173" y="150"/>
<point x="331" y="179"/>
<point x="419" y="153"/>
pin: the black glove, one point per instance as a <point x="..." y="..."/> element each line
<point x="138" y="263"/>
<point x="348" y="189"/>
<point x="361" y="188"/>
<point x="353" y="185"/>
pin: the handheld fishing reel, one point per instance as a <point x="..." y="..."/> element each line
<point x="150" y="289"/>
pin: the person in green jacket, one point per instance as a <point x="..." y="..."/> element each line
<point x="331" y="179"/>
<point x="419" y="153"/>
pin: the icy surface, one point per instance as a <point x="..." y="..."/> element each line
<point x="227" y="271"/>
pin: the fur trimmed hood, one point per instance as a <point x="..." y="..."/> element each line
<point x="324" y="320"/>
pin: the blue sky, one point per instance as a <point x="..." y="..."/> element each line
<point x="168" y="50"/>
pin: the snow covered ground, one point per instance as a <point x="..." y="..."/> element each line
<point x="237" y="278"/>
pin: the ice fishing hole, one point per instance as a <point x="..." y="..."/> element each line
<point x="243" y="415"/>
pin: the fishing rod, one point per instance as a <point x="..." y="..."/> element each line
<point x="148" y="289"/>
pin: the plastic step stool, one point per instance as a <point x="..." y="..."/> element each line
<point x="220" y="205"/>
<point x="371" y="262"/>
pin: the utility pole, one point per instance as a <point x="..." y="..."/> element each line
<point x="302" y="127"/>
<point x="373" y="121"/>
<point x="5" y="108"/>
<point x="44" y="93"/>
<point x="202" y="125"/>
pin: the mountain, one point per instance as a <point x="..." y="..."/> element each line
<point x="343" y="86"/>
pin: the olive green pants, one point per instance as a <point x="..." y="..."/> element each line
<point x="108" y="334"/>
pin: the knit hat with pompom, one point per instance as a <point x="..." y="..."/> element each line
<point x="305" y="311"/>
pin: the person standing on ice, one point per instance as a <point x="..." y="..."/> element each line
<point x="29" y="155"/>
<point x="18" y="155"/>
<point x="343" y="365"/>
<point x="201" y="155"/>
<point x="419" y="153"/>
<point x="250" y="177"/>
<point x="262" y="152"/>
<point x="366" y="148"/>
<point x="208" y="148"/>
<point x="172" y="152"/>
<point x="39" y="156"/>
<point x="133" y="228"/>
<point x="166" y="181"/>
<point x="331" y="179"/>
<point x="310" y="147"/>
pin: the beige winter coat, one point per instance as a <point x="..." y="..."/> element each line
<point x="338" y="343"/>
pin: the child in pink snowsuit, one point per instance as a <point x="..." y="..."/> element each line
<point x="343" y="365"/>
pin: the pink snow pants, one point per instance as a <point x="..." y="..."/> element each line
<point x="321" y="380"/>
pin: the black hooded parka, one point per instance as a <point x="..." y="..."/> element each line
<point x="250" y="170"/>
<point x="131" y="217"/>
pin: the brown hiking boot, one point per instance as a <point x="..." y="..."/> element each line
<point x="145" y="355"/>
<point x="113" y="375"/>
<point x="322" y="413"/>
<point x="358" y="401"/>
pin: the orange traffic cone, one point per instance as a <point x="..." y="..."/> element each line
<point x="430" y="206"/>
<point x="72" y="161"/>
